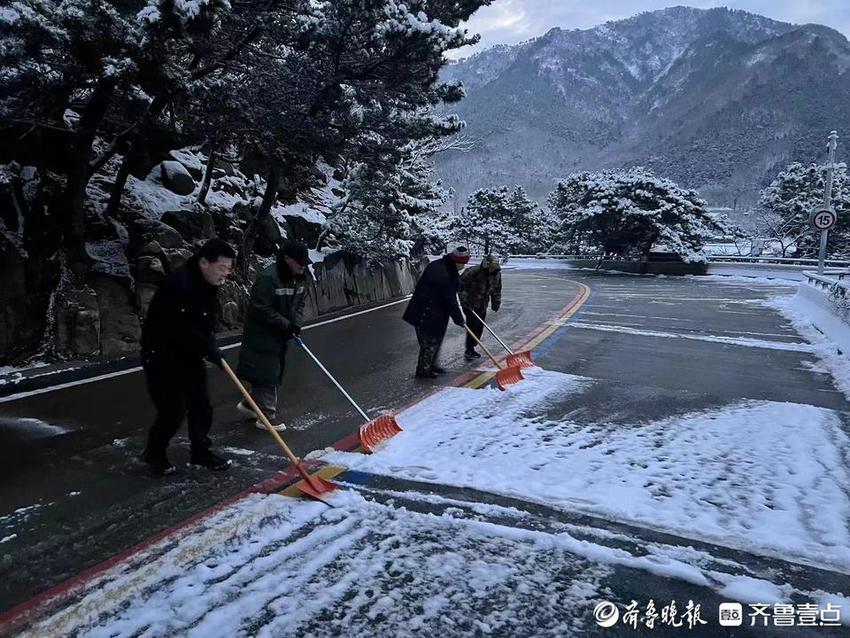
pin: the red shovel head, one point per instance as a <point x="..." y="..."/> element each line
<point x="313" y="486"/>
<point x="377" y="431"/>
<point x="520" y="359"/>
<point x="508" y="377"/>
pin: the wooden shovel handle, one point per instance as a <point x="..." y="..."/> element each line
<point x="262" y="417"/>
<point x="483" y="347"/>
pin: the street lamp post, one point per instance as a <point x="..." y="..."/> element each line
<point x="831" y="145"/>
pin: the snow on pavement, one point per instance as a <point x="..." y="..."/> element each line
<point x="766" y="477"/>
<point x="272" y="566"/>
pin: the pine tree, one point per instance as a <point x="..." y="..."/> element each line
<point x="530" y="225"/>
<point x="483" y="223"/>
<point x="792" y="196"/>
<point x="626" y="213"/>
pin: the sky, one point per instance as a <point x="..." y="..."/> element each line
<point x="512" y="21"/>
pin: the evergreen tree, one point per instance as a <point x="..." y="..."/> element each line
<point x="530" y="225"/>
<point x="790" y="199"/>
<point x="627" y="212"/>
<point x="483" y="224"/>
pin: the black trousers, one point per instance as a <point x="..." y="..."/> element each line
<point x="178" y="388"/>
<point x="475" y="325"/>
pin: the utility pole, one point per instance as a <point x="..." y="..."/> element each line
<point x="831" y="145"/>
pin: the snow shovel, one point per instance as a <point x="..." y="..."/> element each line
<point x="312" y="486"/>
<point x="519" y="359"/>
<point x="374" y="431"/>
<point x="505" y="377"/>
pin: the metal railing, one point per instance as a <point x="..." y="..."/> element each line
<point x="733" y="259"/>
<point x="829" y="279"/>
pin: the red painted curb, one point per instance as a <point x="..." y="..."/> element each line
<point x="36" y="607"/>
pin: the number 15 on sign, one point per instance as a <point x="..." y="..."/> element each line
<point x="823" y="218"/>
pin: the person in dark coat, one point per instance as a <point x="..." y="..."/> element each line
<point x="434" y="301"/>
<point x="480" y="286"/>
<point x="177" y="336"/>
<point x="275" y="315"/>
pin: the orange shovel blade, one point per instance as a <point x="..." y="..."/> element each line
<point x="313" y="486"/>
<point x="377" y="431"/>
<point x="520" y="359"/>
<point x="508" y="377"/>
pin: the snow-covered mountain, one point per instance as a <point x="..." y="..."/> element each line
<point x="716" y="99"/>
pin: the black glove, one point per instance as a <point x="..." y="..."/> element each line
<point x="295" y="329"/>
<point x="460" y="322"/>
<point x="216" y="356"/>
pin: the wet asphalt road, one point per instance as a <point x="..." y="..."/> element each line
<point x="657" y="347"/>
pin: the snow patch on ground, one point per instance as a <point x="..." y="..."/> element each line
<point x="12" y="375"/>
<point x="806" y="317"/>
<point x="31" y="428"/>
<point x="734" y="341"/>
<point x="272" y="566"/>
<point x="537" y="264"/>
<point x="760" y="476"/>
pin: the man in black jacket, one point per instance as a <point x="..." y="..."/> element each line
<point x="434" y="301"/>
<point x="178" y="335"/>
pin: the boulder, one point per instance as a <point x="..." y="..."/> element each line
<point x="243" y="211"/>
<point x="177" y="257"/>
<point x="227" y="168"/>
<point x="144" y="295"/>
<point x="190" y="161"/>
<point x="303" y="230"/>
<point x="268" y="238"/>
<point x="191" y="224"/>
<point x="230" y="314"/>
<point x="144" y="231"/>
<point x="120" y="329"/>
<point x="149" y="270"/>
<point x="78" y="323"/>
<point x="151" y="248"/>
<point x="176" y="178"/>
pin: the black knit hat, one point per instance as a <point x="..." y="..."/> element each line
<point x="298" y="251"/>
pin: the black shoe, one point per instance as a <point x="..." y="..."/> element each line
<point x="469" y="355"/>
<point x="212" y="462"/>
<point x="158" y="464"/>
<point x="426" y="374"/>
<point x="438" y="369"/>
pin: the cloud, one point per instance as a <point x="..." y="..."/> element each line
<point x="512" y="21"/>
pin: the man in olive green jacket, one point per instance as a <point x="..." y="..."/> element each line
<point x="274" y="316"/>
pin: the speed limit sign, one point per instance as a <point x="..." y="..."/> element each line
<point x="823" y="218"/>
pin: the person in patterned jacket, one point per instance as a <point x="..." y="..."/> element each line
<point x="480" y="286"/>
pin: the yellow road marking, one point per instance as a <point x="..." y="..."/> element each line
<point x="485" y="377"/>
<point x="328" y="472"/>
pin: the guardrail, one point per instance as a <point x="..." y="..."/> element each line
<point x="829" y="280"/>
<point x="841" y="263"/>
<point x="733" y="259"/>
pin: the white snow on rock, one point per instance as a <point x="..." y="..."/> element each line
<point x="192" y="161"/>
<point x="760" y="476"/>
<point x="150" y="196"/>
